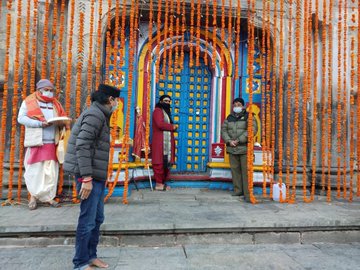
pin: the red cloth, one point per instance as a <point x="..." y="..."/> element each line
<point x="158" y="126"/>
<point x="160" y="173"/>
<point x="42" y="153"/>
<point x="139" y="138"/>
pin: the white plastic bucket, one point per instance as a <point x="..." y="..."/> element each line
<point x="276" y="192"/>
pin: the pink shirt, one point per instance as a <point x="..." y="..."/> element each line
<point x="42" y="153"/>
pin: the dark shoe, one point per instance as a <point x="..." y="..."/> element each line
<point x="236" y="194"/>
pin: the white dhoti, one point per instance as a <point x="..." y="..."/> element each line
<point x="41" y="178"/>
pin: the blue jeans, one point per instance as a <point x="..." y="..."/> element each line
<point x="88" y="229"/>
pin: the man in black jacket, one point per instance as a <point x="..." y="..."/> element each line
<point x="87" y="158"/>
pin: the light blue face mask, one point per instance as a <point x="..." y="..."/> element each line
<point x="114" y="107"/>
<point x="237" y="109"/>
<point x="48" y="94"/>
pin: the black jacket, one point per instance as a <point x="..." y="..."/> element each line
<point x="89" y="143"/>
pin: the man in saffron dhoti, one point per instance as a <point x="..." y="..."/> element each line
<point x="41" y="164"/>
<point x="163" y="142"/>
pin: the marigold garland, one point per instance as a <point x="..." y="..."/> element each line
<point x="53" y="42"/>
<point x="352" y="118"/>
<point x="122" y="33"/>
<point x="222" y="32"/>
<point x="213" y="64"/>
<point x="69" y="58"/>
<point x="315" y="102"/>
<point x="323" y="100"/>
<point x="281" y="96"/>
<point x="80" y="60"/>
<point x="191" y="46"/>
<point x="338" y="98"/>
<point x="24" y="93"/>
<point x="108" y="45"/>
<point x="15" y="100"/>
<point x="358" y="108"/>
<point x="99" y="42"/>
<point x="207" y="11"/>
<point x="177" y="33"/>
<point x="345" y="98"/>
<point x="183" y="30"/>
<point x="91" y="38"/>
<point x="229" y="41"/>
<point x="263" y="87"/>
<point x="148" y="89"/>
<point x="5" y="93"/>
<point x="33" y="47"/>
<point x="44" y="60"/>
<point x="250" y="157"/>
<point x="158" y="39"/>
<point x="60" y="49"/>
<point x="237" y="38"/>
<point x="273" y="101"/>
<point x="166" y="30"/>
<point x="297" y="88"/>
<point x="198" y="25"/>
<point x="171" y="36"/>
<point x="329" y="108"/>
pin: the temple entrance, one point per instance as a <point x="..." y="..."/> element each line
<point x="190" y="90"/>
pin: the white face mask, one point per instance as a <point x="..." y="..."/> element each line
<point x="47" y="94"/>
<point x="237" y="109"/>
<point x="114" y="107"/>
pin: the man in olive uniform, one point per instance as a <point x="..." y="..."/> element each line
<point x="235" y="135"/>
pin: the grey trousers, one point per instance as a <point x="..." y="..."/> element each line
<point x="238" y="165"/>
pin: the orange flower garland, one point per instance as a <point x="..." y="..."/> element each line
<point x="108" y="51"/>
<point x="192" y="14"/>
<point x="338" y="98"/>
<point x="229" y="28"/>
<point x="15" y="101"/>
<point x="53" y="42"/>
<point x="5" y="93"/>
<point x="329" y="108"/>
<point x="33" y="47"/>
<point x="222" y="32"/>
<point x="344" y="101"/>
<point x="23" y="96"/>
<point x="358" y="109"/>
<point x="122" y="33"/>
<point x="323" y="108"/>
<point x="45" y="41"/>
<point x="166" y="30"/>
<point x="79" y="68"/>
<point x="250" y="156"/>
<point x="171" y="35"/>
<point x="98" y="45"/>
<point x="297" y="86"/>
<point x="213" y="64"/>
<point x="183" y="30"/>
<point x="207" y="11"/>
<point x="281" y="96"/>
<point x="263" y="86"/>
<point x="198" y="25"/>
<point x="273" y="102"/>
<point x="158" y="39"/>
<point x="352" y="118"/>
<point x="177" y="33"/>
<point x="90" y="60"/>
<point x="237" y="38"/>
<point x="60" y="49"/>
<point x="315" y="102"/>
<point x="69" y="58"/>
<point x="148" y="88"/>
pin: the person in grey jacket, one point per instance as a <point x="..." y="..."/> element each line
<point x="235" y="135"/>
<point x="87" y="158"/>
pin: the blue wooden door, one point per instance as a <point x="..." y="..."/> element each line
<point x="190" y="89"/>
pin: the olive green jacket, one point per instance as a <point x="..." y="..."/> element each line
<point x="235" y="128"/>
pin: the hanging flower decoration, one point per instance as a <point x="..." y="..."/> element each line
<point x="33" y="47"/>
<point x="60" y="49"/>
<point x="98" y="45"/>
<point x="91" y="38"/>
<point x="45" y="41"/>
<point x="192" y="14"/>
<point x="53" y="42"/>
<point x="80" y="60"/>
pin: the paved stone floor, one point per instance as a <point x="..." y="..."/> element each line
<point x="194" y="257"/>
